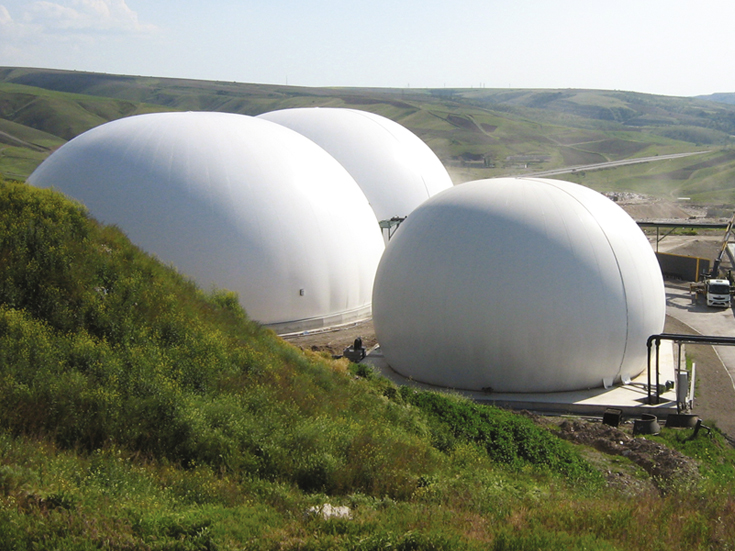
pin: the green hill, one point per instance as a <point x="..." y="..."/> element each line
<point x="477" y="133"/>
<point x="138" y="412"/>
<point x="728" y="98"/>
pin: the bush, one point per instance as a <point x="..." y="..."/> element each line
<point x="101" y="345"/>
<point x="508" y="438"/>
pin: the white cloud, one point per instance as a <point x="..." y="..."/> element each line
<point x="71" y="34"/>
<point x="10" y="29"/>
<point x="84" y="17"/>
<point x="5" y="18"/>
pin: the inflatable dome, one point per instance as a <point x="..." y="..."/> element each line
<point x="518" y="285"/>
<point x="234" y="202"/>
<point x="395" y="169"/>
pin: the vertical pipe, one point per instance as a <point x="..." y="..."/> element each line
<point x="649" y="370"/>
<point x="658" y="347"/>
<point x="678" y="373"/>
<point x="691" y="386"/>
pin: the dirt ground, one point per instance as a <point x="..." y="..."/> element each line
<point x="704" y="245"/>
<point x="334" y="341"/>
<point x="657" y="211"/>
<point x="666" y="468"/>
<point x="644" y="208"/>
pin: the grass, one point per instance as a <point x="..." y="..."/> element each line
<point x="568" y="126"/>
<point x="703" y="178"/>
<point x="141" y="389"/>
<point x="140" y="413"/>
<point x="18" y="162"/>
<point x="46" y="119"/>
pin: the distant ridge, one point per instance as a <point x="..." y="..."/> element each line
<point x="722" y="97"/>
<point x="476" y="132"/>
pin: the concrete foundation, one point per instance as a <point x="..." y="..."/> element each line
<point x="631" y="398"/>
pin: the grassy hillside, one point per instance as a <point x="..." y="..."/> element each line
<point x="138" y="412"/>
<point x="477" y="133"/>
<point x="728" y="98"/>
<point x="707" y="178"/>
<point x="34" y="122"/>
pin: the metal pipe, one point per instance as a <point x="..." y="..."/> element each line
<point x="658" y="382"/>
<point x="648" y="344"/>
<point x="680" y="339"/>
<point x="701" y="339"/>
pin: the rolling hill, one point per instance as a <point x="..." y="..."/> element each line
<point x="141" y="413"/>
<point x="477" y="133"/>
<point x="721" y="97"/>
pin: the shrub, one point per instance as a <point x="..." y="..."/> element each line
<point x="509" y="439"/>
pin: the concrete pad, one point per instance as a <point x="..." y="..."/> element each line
<point x="631" y="398"/>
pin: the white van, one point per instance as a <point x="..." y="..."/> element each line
<point x="718" y="292"/>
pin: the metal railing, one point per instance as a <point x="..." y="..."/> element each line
<point x="679" y="339"/>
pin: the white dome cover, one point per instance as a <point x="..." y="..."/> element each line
<point x="395" y="169"/>
<point x="235" y="202"/>
<point x="518" y="285"/>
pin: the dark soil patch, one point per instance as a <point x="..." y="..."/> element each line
<point x="667" y="468"/>
<point x="463" y="122"/>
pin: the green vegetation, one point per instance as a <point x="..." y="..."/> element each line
<point x="705" y="178"/>
<point x="34" y="122"/>
<point x="714" y="453"/>
<point x="507" y="438"/>
<point x="477" y="133"/>
<point x="138" y="412"/>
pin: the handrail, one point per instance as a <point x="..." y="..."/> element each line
<point x="680" y="339"/>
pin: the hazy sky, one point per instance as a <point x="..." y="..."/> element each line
<point x="672" y="47"/>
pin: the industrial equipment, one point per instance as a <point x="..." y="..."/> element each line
<point x="717" y="290"/>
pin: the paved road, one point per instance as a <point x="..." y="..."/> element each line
<point x="704" y="320"/>
<point x="613" y="164"/>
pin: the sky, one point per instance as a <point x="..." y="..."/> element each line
<point x="669" y="47"/>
